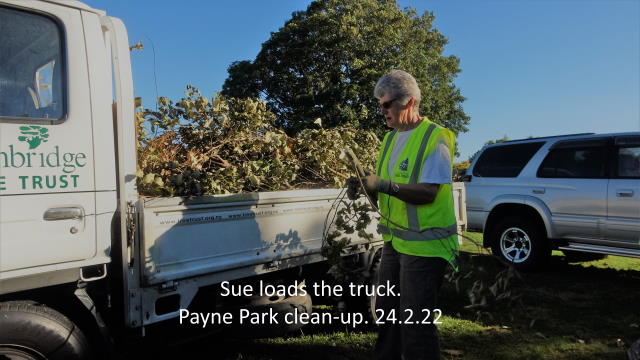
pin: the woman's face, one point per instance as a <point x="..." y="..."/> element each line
<point x="395" y="114"/>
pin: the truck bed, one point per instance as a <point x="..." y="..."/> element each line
<point x="183" y="238"/>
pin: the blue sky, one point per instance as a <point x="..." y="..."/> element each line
<point x="529" y="67"/>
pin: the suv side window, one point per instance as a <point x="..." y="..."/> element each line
<point x="628" y="162"/>
<point x="578" y="162"/>
<point x="505" y="160"/>
<point x="32" y="79"/>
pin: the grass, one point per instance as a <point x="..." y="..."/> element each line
<point x="582" y="310"/>
<point x="565" y="311"/>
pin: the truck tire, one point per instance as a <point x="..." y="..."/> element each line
<point x="29" y="330"/>
<point x="280" y="305"/>
<point x="520" y="242"/>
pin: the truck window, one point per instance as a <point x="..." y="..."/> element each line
<point x="582" y="162"/>
<point x="628" y="163"/>
<point x="32" y="79"/>
<point x="505" y="160"/>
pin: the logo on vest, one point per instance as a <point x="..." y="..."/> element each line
<point x="404" y="165"/>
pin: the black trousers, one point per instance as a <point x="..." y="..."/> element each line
<point x="418" y="280"/>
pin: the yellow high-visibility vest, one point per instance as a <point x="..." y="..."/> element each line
<point x="429" y="229"/>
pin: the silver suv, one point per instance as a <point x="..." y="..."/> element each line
<point x="572" y="192"/>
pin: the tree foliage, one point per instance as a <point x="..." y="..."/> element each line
<point x="223" y="145"/>
<point x="460" y="169"/>
<point x="490" y="142"/>
<point x="497" y="141"/>
<point x="325" y="61"/>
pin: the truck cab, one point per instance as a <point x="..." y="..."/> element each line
<point x="57" y="150"/>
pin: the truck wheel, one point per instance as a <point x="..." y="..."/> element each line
<point x="33" y="331"/>
<point x="293" y="308"/>
<point x="520" y="242"/>
<point x="281" y="306"/>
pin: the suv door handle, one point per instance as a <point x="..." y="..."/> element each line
<point x="538" y="191"/>
<point x="624" y="193"/>
<point x="63" y="213"/>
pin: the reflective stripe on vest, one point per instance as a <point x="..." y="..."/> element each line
<point x="412" y="210"/>
<point x="427" y="234"/>
<point x="384" y="152"/>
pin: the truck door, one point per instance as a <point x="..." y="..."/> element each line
<point x="47" y="185"/>
<point x="623" y="200"/>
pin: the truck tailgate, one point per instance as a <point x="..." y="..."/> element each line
<point x="182" y="237"/>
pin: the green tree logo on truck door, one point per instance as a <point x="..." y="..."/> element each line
<point x="33" y="135"/>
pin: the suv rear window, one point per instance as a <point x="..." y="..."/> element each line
<point x="505" y="160"/>
<point x="627" y="157"/>
<point x="580" y="162"/>
<point x="628" y="162"/>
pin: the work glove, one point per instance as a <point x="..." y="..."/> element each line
<point x="352" y="188"/>
<point x="374" y="184"/>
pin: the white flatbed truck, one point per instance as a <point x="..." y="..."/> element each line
<point x="81" y="253"/>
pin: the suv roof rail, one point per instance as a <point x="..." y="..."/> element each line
<point x="545" y="137"/>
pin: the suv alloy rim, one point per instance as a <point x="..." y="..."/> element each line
<point x="515" y="245"/>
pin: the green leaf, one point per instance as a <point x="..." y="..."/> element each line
<point x="254" y="180"/>
<point x="179" y="179"/>
<point x="148" y="179"/>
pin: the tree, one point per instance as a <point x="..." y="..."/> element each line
<point x="490" y="142"/>
<point x="497" y="141"/>
<point x="325" y="61"/>
<point x="460" y="169"/>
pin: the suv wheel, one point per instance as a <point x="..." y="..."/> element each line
<point x="520" y="242"/>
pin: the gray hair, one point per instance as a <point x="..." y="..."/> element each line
<point x="399" y="84"/>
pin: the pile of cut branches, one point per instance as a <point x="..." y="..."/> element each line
<point x="199" y="145"/>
